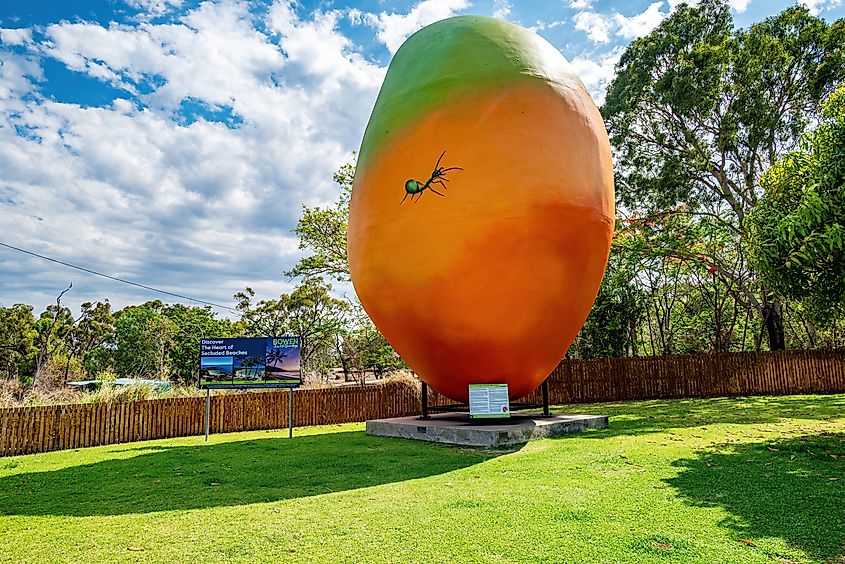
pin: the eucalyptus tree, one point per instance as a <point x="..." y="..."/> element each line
<point x="309" y="312"/>
<point x="143" y="341"/>
<point x="89" y="332"/>
<point x="51" y="330"/>
<point x="322" y="232"/>
<point x="17" y="341"/>
<point x="698" y="110"/>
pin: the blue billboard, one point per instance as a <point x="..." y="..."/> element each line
<point x="261" y="361"/>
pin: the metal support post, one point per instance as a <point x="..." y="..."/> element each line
<point x="424" y="401"/>
<point x="290" y="413"/>
<point x="545" y="388"/>
<point x="207" y="411"/>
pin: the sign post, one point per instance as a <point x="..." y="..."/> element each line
<point x="207" y="411"/>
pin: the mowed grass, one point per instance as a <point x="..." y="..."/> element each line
<point x="718" y="480"/>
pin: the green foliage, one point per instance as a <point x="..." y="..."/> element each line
<point x="85" y="339"/>
<point x="17" y="341"/>
<point x="698" y="110"/>
<point x="309" y="311"/>
<point x="143" y="339"/>
<point x="192" y="324"/>
<point x="315" y="316"/>
<point x="697" y="107"/>
<point x="798" y="228"/>
<point x="262" y="319"/>
<point x="52" y="330"/>
<point x="611" y="328"/>
<point x="376" y="353"/>
<point x="322" y="232"/>
<point x="361" y="348"/>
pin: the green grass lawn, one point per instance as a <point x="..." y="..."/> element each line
<point x="722" y="480"/>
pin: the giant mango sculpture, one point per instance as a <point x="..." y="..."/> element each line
<point x="482" y="208"/>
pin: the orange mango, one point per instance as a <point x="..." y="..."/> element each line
<point x="485" y="272"/>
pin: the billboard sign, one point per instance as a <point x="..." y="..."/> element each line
<point x="250" y="362"/>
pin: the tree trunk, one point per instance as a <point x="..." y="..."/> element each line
<point x="773" y="322"/>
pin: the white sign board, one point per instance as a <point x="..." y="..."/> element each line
<point x="489" y="401"/>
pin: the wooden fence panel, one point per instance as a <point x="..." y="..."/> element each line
<point x="40" y="429"/>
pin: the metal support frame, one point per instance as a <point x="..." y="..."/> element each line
<point x="426" y="409"/>
<point x="545" y="388"/>
<point x="290" y="413"/>
<point x="247" y="387"/>
<point x="425" y="401"/>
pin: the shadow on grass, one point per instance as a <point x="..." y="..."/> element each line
<point x="657" y="416"/>
<point x="226" y="474"/>
<point x="775" y="489"/>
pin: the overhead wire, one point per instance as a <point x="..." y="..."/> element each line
<point x="115" y="278"/>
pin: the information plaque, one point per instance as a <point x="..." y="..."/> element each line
<point x="488" y="401"/>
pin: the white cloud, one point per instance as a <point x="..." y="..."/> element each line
<point x="640" y="24"/>
<point x="596" y="26"/>
<point x="17" y="73"/>
<point x="133" y="190"/>
<point x="580" y="4"/>
<point x="813" y="5"/>
<point x="154" y="7"/>
<point x="739" y="6"/>
<point x="16" y="36"/>
<point x="393" y="29"/>
<point x="213" y="54"/>
<point x="599" y="27"/>
<point x="597" y="74"/>
<point x="816" y="6"/>
<point x="501" y="9"/>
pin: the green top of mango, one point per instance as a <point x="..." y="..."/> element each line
<point x="453" y="58"/>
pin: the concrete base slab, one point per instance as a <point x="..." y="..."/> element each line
<point x="459" y="429"/>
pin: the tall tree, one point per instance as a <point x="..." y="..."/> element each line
<point x="190" y="325"/>
<point x="309" y="312"/>
<point x="262" y="319"/>
<point x="315" y="316"/>
<point x="322" y="232"/>
<point x="17" y="341"/>
<point x="798" y="228"/>
<point x="51" y="330"/>
<point x="143" y="339"/>
<point x="698" y="110"/>
<point x="93" y="328"/>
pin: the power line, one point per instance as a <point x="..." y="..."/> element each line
<point x="89" y="271"/>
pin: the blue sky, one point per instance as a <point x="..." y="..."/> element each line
<point x="173" y="142"/>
